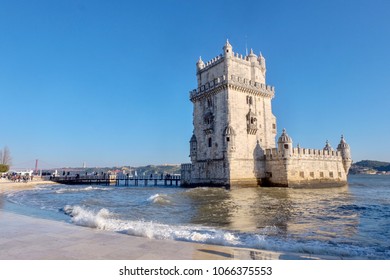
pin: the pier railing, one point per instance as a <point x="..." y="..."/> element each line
<point x="167" y="180"/>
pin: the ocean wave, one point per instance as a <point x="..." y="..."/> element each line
<point x="86" y="189"/>
<point x="159" y="199"/>
<point x="105" y="220"/>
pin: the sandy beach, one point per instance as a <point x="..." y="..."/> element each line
<point x="9" y="186"/>
<point x="29" y="238"/>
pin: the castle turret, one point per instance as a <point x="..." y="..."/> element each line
<point x="285" y="146"/>
<point x="328" y="147"/>
<point x="227" y="49"/>
<point x="229" y="135"/>
<point x="200" y="64"/>
<point x="345" y="151"/>
<point x="252" y="57"/>
<point x="193" y="147"/>
<point x="261" y="61"/>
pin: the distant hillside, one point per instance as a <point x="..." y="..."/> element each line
<point x="370" y="166"/>
<point x="141" y="170"/>
<point x="158" y="169"/>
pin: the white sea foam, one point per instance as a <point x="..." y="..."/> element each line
<point x="105" y="220"/>
<point x="159" y="199"/>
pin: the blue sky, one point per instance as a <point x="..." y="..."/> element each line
<point x="107" y="82"/>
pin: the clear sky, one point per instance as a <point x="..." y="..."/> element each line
<point x="107" y="82"/>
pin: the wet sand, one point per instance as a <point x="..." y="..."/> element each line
<point x="30" y="238"/>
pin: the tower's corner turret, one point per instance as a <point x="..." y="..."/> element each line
<point x="229" y="139"/>
<point x="345" y="151"/>
<point x="227" y="49"/>
<point x="252" y="57"/>
<point x="261" y="61"/>
<point x="193" y="148"/>
<point x="285" y="145"/>
<point x="200" y="64"/>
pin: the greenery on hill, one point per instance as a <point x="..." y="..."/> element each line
<point x="158" y="169"/>
<point x="371" y="165"/>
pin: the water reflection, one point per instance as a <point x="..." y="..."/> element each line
<point x="309" y="213"/>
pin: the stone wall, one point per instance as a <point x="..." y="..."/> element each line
<point x="304" y="167"/>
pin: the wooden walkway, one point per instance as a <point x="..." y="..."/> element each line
<point x="134" y="181"/>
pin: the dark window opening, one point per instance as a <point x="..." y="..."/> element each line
<point x="249" y="100"/>
<point x="286" y="146"/>
<point x="209" y="102"/>
<point x="210" y="142"/>
<point x="227" y="139"/>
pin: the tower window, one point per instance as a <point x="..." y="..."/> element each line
<point x="210" y="142"/>
<point x="209" y="102"/>
<point x="227" y="139"/>
<point x="286" y="146"/>
<point x="249" y="100"/>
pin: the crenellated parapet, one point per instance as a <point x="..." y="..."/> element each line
<point x="247" y="60"/>
<point x="202" y="66"/>
<point x="303" y="153"/>
<point x="235" y="82"/>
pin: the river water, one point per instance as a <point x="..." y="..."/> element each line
<point x="347" y="222"/>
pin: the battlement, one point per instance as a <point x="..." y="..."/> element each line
<point x="303" y="153"/>
<point x="256" y="87"/>
<point x="236" y="56"/>
<point x="186" y="166"/>
<point x="212" y="62"/>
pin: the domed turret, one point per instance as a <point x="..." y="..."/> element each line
<point x="228" y="49"/>
<point x="200" y="64"/>
<point x="229" y="131"/>
<point x="229" y="135"/>
<point x="284" y="138"/>
<point x="285" y="144"/>
<point x="252" y="57"/>
<point x="345" y="151"/>
<point x="328" y="147"/>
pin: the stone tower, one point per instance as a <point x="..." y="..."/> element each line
<point x="232" y="118"/>
<point x="233" y="142"/>
<point x="345" y="151"/>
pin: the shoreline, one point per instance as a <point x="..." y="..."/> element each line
<point x="25" y="237"/>
<point x="9" y="186"/>
<point x="30" y="238"/>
